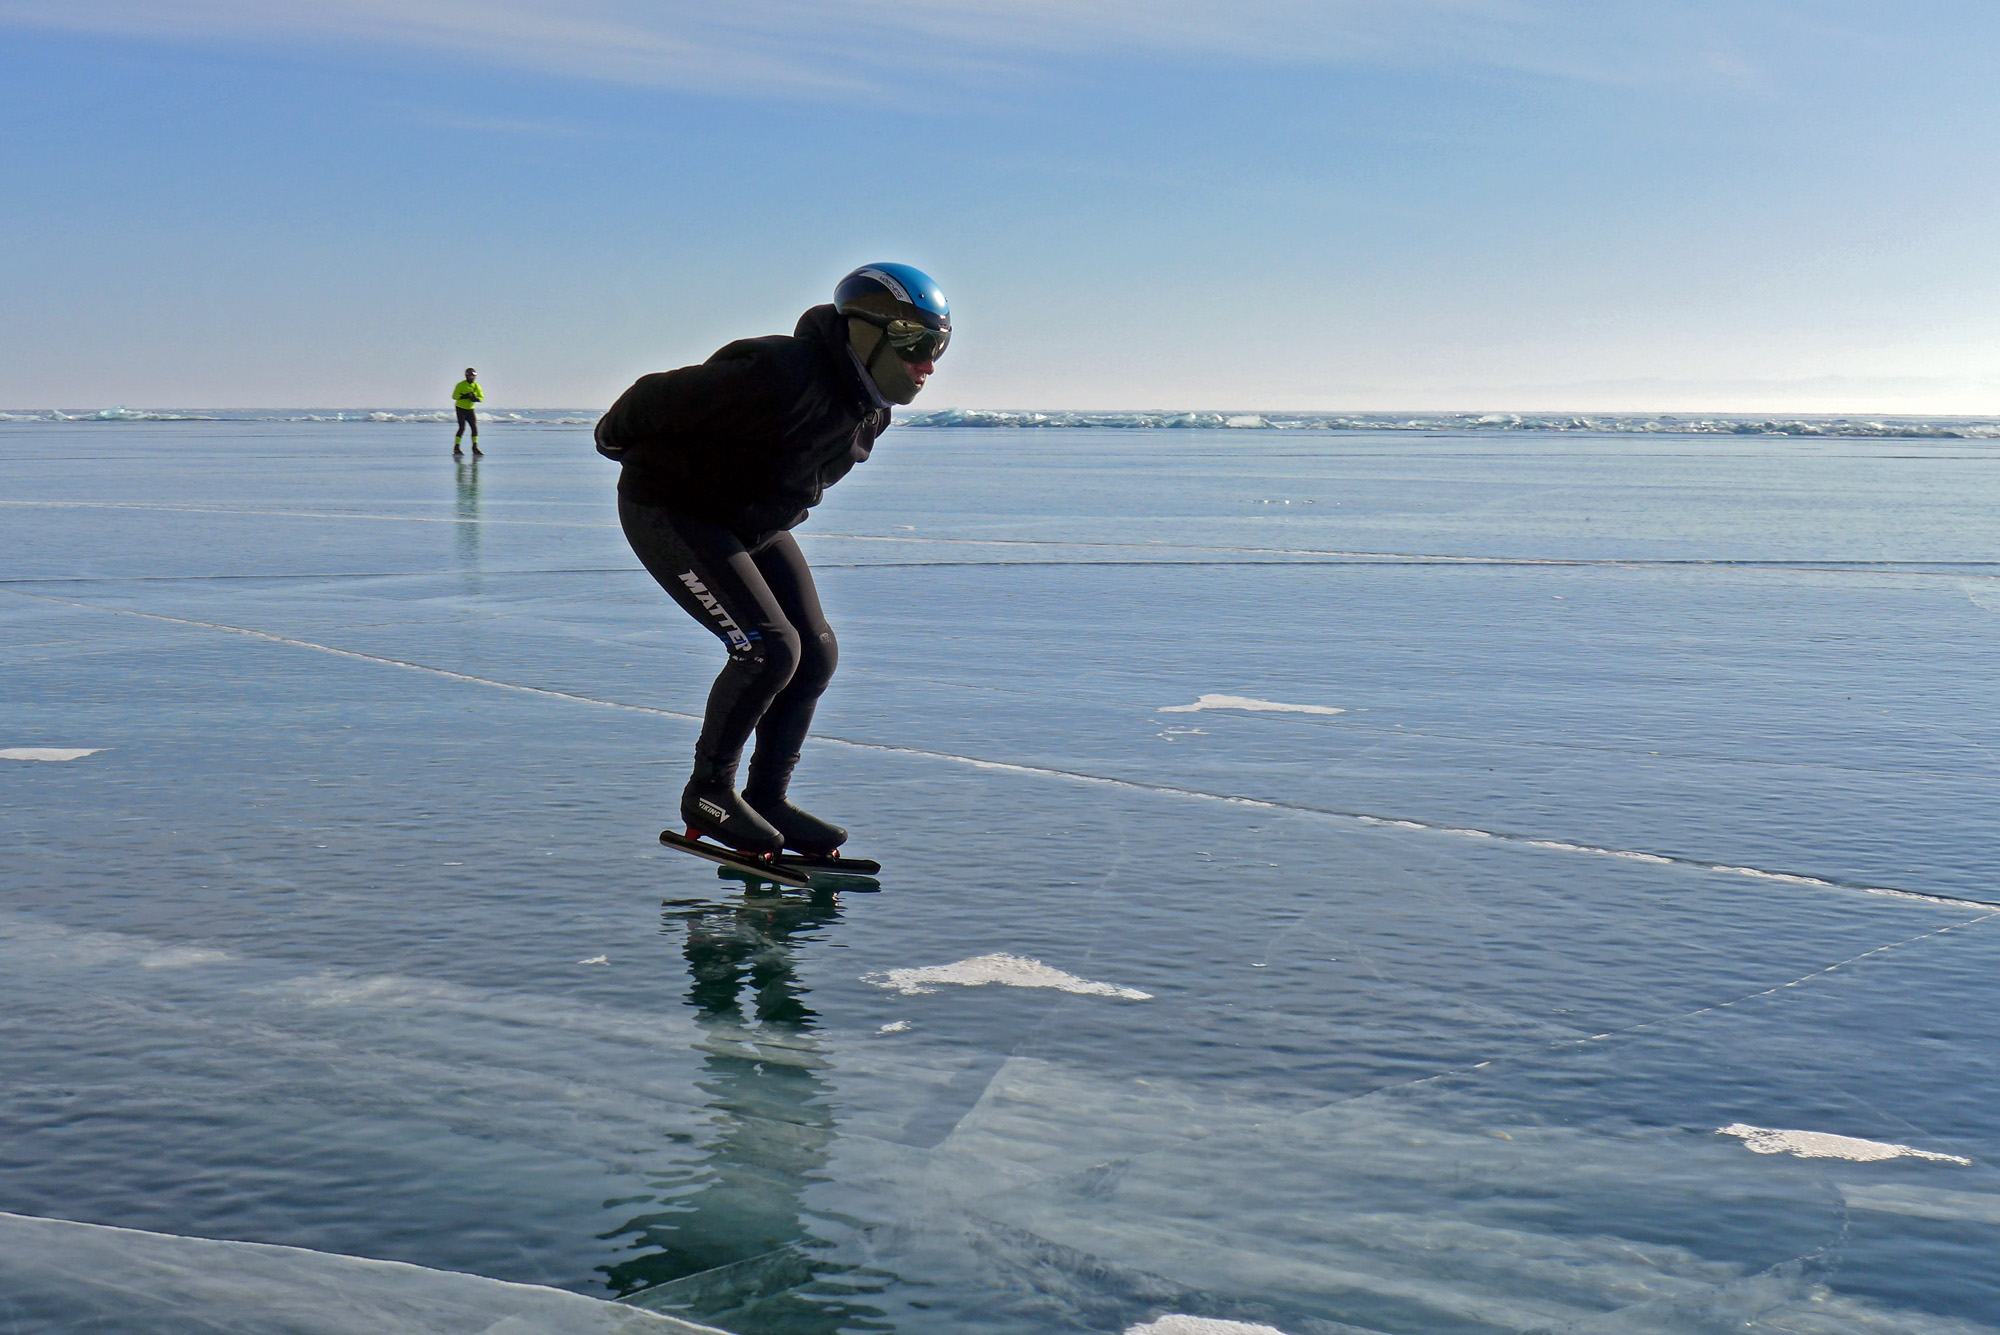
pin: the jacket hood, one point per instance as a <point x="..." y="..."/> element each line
<point x="827" y="327"/>
<point x="823" y="324"/>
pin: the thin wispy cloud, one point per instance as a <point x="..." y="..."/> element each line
<point x="864" y="48"/>
<point x="669" y="45"/>
<point x="1284" y="204"/>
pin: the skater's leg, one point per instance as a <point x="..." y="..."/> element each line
<point x="704" y="568"/>
<point x="782" y="730"/>
<point x="781" y="734"/>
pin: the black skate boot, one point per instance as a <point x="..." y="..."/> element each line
<point x="711" y="806"/>
<point x="801" y="831"/>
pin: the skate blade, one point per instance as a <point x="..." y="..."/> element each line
<point x="817" y="862"/>
<point x="823" y="882"/>
<point x="752" y="863"/>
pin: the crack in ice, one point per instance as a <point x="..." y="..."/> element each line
<point x="1073" y="776"/>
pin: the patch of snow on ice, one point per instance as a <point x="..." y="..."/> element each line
<point x="182" y="957"/>
<point x="596" y="959"/>
<point x="48" y="752"/>
<point x="1823" y="1145"/>
<point x="894" y="1027"/>
<point x="1244" y="702"/>
<point x="1177" y="1324"/>
<point x="1007" y="970"/>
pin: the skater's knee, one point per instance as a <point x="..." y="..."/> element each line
<point x="818" y="657"/>
<point x="776" y="657"/>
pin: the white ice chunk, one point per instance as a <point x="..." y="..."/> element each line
<point x="1824" y="1145"/>
<point x="48" y="752"/>
<point x="596" y="959"/>
<point x="1176" y="1324"/>
<point x="1244" y="702"/>
<point x="1008" y="970"/>
<point x="894" y="1027"/>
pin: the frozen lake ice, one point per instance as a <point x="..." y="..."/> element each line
<point x="1336" y="881"/>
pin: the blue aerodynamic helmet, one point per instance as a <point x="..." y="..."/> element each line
<point x="902" y="301"/>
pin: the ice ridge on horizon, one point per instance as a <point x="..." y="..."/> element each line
<point x="1881" y="426"/>
<point x="1735" y="424"/>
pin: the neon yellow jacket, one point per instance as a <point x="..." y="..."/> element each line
<point x="466" y="393"/>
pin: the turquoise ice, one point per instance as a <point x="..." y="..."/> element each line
<point x="1339" y="878"/>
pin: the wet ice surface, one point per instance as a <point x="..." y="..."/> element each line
<point x="61" y="1275"/>
<point x="343" y="927"/>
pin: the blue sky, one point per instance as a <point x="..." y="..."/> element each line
<point x="1766" y="205"/>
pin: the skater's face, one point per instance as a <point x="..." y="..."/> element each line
<point x="921" y="371"/>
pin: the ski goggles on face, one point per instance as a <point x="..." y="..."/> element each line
<point x="916" y="342"/>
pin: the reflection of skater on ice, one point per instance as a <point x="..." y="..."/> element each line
<point x="720" y="462"/>
<point x="763" y="1075"/>
<point x="466" y="511"/>
<point x="465" y="396"/>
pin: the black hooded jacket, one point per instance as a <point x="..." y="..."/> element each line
<point x="752" y="437"/>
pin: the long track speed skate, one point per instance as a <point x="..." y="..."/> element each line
<point x="765" y="865"/>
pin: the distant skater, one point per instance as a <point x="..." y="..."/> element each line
<point x="720" y="462"/>
<point x="464" y="395"/>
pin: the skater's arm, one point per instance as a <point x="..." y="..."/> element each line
<point x="689" y="409"/>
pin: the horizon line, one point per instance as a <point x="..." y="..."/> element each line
<point x="908" y="410"/>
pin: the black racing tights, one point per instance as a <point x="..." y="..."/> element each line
<point x="468" y="418"/>
<point x="759" y="600"/>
